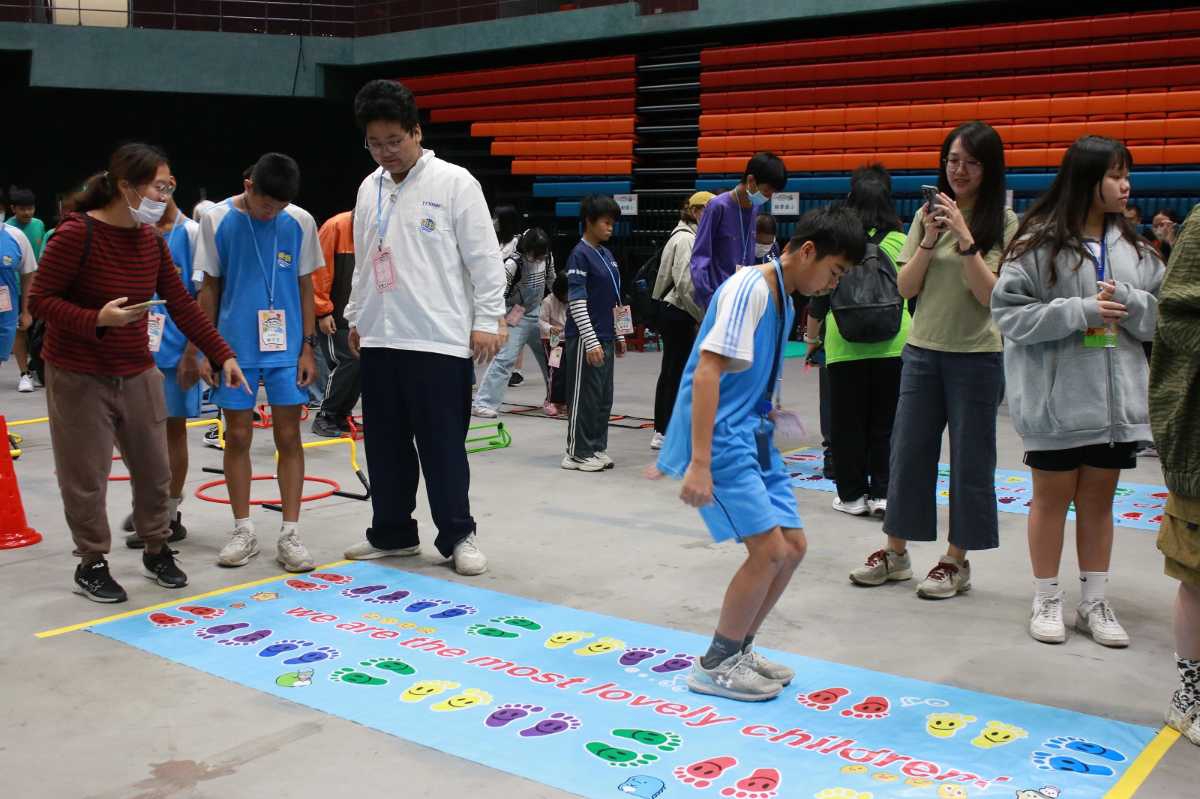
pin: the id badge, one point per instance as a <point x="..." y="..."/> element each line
<point x="385" y="270"/>
<point x="155" y="323"/>
<point x="762" y="441"/>
<point x="623" y="320"/>
<point x="5" y="300"/>
<point x="272" y="331"/>
<point x="1099" y="338"/>
<point x="554" y="340"/>
<point x="515" y="315"/>
<point x="555" y="359"/>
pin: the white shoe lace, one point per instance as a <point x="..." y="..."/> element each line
<point x="241" y="539"/>
<point x="1106" y="618"/>
<point x="291" y="547"/>
<point x="1050" y="611"/>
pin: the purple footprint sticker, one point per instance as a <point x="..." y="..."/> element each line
<point x="552" y="725"/>
<point x="637" y="654"/>
<point x="220" y="629"/>
<point x="507" y="714"/>
<point x="362" y="591"/>
<point x="388" y="599"/>
<point x="679" y="662"/>
<point x="247" y="639"/>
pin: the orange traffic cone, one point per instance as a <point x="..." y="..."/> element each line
<point x="14" y="530"/>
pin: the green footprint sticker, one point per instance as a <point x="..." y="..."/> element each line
<point x="518" y="621"/>
<point x="664" y="741"/>
<point x="490" y="632"/>
<point x="390" y="664"/>
<point x="349" y="675"/>
<point x="615" y="756"/>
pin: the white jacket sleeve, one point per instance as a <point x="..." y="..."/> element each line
<point x="480" y="254"/>
<point x="361" y="262"/>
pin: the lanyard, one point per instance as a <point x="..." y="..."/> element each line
<point x="174" y="227"/>
<point x="380" y="225"/>
<point x="764" y="405"/>
<point x="270" y="284"/>
<point x="612" y="273"/>
<point x="1103" y="253"/>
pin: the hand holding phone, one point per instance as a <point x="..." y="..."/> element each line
<point x="141" y="306"/>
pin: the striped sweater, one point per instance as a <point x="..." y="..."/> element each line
<point x="121" y="262"/>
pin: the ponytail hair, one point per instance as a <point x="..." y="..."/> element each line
<point x="135" y="163"/>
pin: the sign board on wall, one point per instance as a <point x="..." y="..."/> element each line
<point x="785" y="203"/>
<point x="628" y="204"/>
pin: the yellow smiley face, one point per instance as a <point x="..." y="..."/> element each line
<point x="854" y="769"/>
<point x="918" y="782"/>
<point x="952" y="792"/>
<point x="885" y="776"/>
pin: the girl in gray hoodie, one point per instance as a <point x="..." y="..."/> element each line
<point x="1075" y="300"/>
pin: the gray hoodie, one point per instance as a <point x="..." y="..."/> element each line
<point x="1061" y="394"/>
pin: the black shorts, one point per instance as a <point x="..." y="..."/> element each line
<point x="1098" y="456"/>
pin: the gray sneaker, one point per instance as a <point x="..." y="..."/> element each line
<point x="363" y="550"/>
<point x="769" y="668"/>
<point x="733" y="678"/>
<point x="946" y="579"/>
<point x="882" y="566"/>
<point x="241" y="547"/>
<point x="292" y="554"/>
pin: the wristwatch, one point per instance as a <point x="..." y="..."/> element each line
<point x="311" y="340"/>
<point x="972" y="250"/>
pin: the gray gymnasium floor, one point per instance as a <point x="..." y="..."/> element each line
<point x="84" y="716"/>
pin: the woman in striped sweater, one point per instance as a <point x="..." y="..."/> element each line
<point x="102" y="387"/>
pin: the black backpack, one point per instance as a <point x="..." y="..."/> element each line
<point x="649" y="310"/>
<point x="867" y="303"/>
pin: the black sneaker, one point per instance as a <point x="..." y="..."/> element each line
<point x="161" y="569"/>
<point x="134" y="541"/>
<point x="326" y="427"/>
<point x="516" y="380"/>
<point x="93" y="581"/>
<point x="212" y="439"/>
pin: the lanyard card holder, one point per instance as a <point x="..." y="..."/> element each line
<point x="764" y="434"/>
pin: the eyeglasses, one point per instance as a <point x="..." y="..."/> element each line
<point x="967" y="164"/>
<point x="165" y="189"/>
<point x="390" y="146"/>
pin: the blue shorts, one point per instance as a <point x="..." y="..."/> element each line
<point x="7" y="336"/>
<point x="181" y="404"/>
<point x="279" y="381"/>
<point x="748" y="501"/>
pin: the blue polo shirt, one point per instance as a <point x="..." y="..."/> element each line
<point x="181" y="241"/>
<point x="593" y="275"/>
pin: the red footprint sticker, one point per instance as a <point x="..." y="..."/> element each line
<point x="1133" y="516"/>
<point x="824" y="699"/>
<point x="330" y="577"/>
<point x="303" y="585"/>
<point x="873" y="707"/>
<point x="1156" y="519"/>
<point x="167" y="620"/>
<point x="202" y="612"/>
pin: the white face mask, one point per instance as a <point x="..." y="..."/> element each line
<point x="761" y="250"/>
<point x="148" y="211"/>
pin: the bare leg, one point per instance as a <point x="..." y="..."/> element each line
<point x="21" y="351"/>
<point x="177" y="451"/>
<point x="1052" y="495"/>
<point x="286" y="426"/>
<point x="1093" y="517"/>
<point x="239" y="433"/>
<point x="897" y="545"/>
<point x="1187" y="621"/>
<point x="799" y="545"/>
<point x="768" y="555"/>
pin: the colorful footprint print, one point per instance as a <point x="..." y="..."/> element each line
<point x="873" y="707"/>
<point x="220" y="629"/>
<point x="1086" y="747"/>
<point x="167" y="620"/>
<point x="202" y="612"/>
<point x="675" y="663"/>
<point x="470" y="697"/>
<point x="420" y="691"/>
<point x="246" y="639"/>
<point x="350" y="676"/>
<point x="314" y="656"/>
<point x="520" y="622"/>
<point x="392" y="665"/>
<point x="455" y="612"/>
<point x="616" y="756"/>
<point x="282" y="647"/>
<point x="763" y="783"/>
<point x="635" y="655"/>
<point x="362" y="591"/>
<point x="389" y="598"/>
<point x="422" y="605"/>
<point x="507" y="714"/>
<point x="553" y="724"/>
<point x="601" y="646"/>
<point x="330" y="577"/>
<point x="565" y="639"/>
<point x="824" y="699"/>
<point x="490" y="632"/>
<point x="703" y="773"/>
<point x="1051" y="762"/>
<point x="305" y="585"/>
<point x="663" y="741"/>
<point x="998" y="733"/>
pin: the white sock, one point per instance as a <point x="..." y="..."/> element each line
<point x="244" y="524"/>
<point x="288" y="528"/>
<point x="173" y="506"/>
<point x="1047" y="587"/>
<point x="1092" y="585"/>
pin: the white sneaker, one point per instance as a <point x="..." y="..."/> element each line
<point x="25" y="384"/>
<point x="733" y="678"/>
<point x="856" y="508"/>
<point x="603" y="458"/>
<point x="592" y="464"/>
<point x="241" y="547"/>
<point x="877" y="507"/>
<point x="1101" y="623"/>
<point x="363" y="550"/>
<point x="946" y="579"/>
<point x="656" y="441"/>
<point x="482" y="412"/>
<point x="770" y="669"/>
<point x="292" y="554"/>
<point x="468" y="560"/>
<point x="882" y="566"/>
<point x="1046" y="624"/>
<point x="1186" y="723"/>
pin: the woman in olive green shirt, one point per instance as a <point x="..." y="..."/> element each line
<point x="953" y="371"/>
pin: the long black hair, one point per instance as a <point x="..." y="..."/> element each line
<point x="509" y="219"/>
<point x="135" y="162"/>
<point x="982" y="142"/>
<point x="1058" y="217"/>
<point x="871" y="195"/>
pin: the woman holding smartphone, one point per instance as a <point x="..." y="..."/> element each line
<point x="93" y="287"/>
<point x="1075" y="301"/>
<point x="953" y="373"/>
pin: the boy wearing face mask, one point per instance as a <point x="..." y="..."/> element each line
<point x="728" y="231"/>
<point x="257" y="252"/>
<point x="766" y="247"/>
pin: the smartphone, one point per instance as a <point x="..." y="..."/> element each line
<point x="142" y="305"/>
<point x="930" y="194"/>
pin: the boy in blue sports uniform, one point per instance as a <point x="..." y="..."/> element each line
<point x="719" y="442"/>
<point x="17" y="265"/>
<point x="257" y="253"/>
<point x="597" y="323"/>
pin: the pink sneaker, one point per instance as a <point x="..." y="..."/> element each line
<point x="550" y="409"/>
